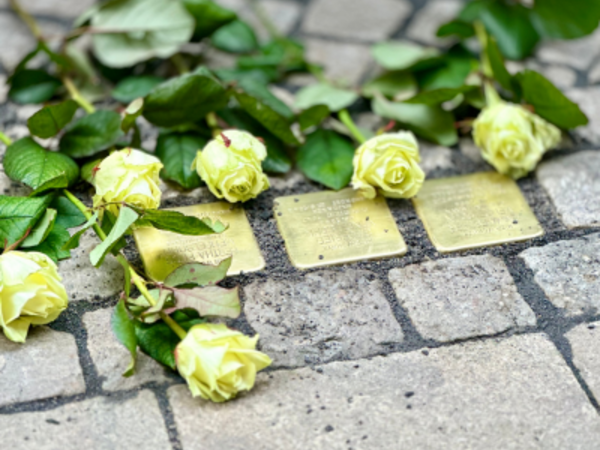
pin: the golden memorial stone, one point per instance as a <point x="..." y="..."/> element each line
<point x="328" y="228"/>
<point x="475" y="211"/>
<point x="163" y="251"/>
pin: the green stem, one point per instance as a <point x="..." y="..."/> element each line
<point x="345" y="118"/>
<point x="483" y="38"/>
<point x="4" y="138"/>
<point x="76" y="95"/>
<point x="180" y="63"/>
<point x="27" y="19"/>
<point x="137" y="280"/>
<point x="212" y="122"/>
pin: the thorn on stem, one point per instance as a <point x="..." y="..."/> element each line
<point x="226" y="140"/>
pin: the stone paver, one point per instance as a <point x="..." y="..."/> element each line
<point x="365" y="20"/>
<point x="85" y="282"/>
<point x="585" y="340"/>
<point x="588" y="100"/>
<point x="434" y="157"/>
<point x="470" y="150"/>
<point x="345" y="63"/>
<point x="111" y="358"/>
<point x="459" y="298"/>
<point x="67" y="9"/>
<point x="328" y="315"/>
<point x="507" y="394"/>
<point x="594" y="75"/>
<point x="98" y="423"/>
<point x="45" y="366"/>
<point x="426" y="22"/>
<point x="573" y="183"/>
<point x="578" y="53"/>
<point x="569" y="273"/>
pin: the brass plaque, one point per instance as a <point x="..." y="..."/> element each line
<point x="328" y="228"/>
<point x="163" y="251"/>
<point x="475" y="211"/>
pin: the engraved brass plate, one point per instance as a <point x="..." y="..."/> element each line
<point x="475" y="211"/>
<point x="328" y="228"/>
<point x="163" y="251"/>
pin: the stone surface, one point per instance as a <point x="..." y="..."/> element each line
<point x="434" y="157"/>
<point x="365" y="20"/>
<point x="470" y="150"/>
<point x="585" y="340"/>
<point x="345" y="63"/>
<point x="507" y="394"/>
<point x="10" y="187"/>
<point x="459" y="298"/>
<point x="569" y="273"/>
<point x="287" y="181"/>
<point x="578" y="53"/>
<point x="588" y="100"/>
<point x="85" y="282"/>
<point x="573" y="183"/>
<point x="98" y="423"/>
<point x="46" y="366"/>
<point x="111" y="358"/>
<point x="327" y="315"/>
<point x="57" y="8"/>
<point x="594" y="75"/>
<point x="3" y="88"/>
<point x="425" y="24"/>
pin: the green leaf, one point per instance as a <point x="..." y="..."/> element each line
<point x="558" y="19"/>
<point x="438" y="96"/>
<point x="131" y="113"/>
<point x="32" y="86"/>
<point x="213" y="301"/>
<point x="68" y="215"/>
<point x="277" y="160"/>
<point x="325" y="94"/>
<point x="177" y="222"/>
<point x="19" y="214"/>
<point x="327" y="159"/>
<point x="198" y="274"/>
<point x="91" y="134"/>
<point x="549" y="102"/>
<point x="402" y="55"/>
<point x="255" y="88"/>
<point x="48" y="121"/>
<point x="54" y="243"/>
<point x="177" y="151"/>
<point x="28" y="162"/>
<point x="87" y="170"/>
<point x="267" y="117"/>
<point x="396" y="84"/>
<point x="41" y="230"/>
<point x="127" y="217"/>
<point x="158" y="340"/>
<point x="124" y="329"/>
<point x="209" y="17"/>
<point x="127" y="276"/>
<point x="275" y="59"/>
<point x="453" y="70"/>
<point x="429" y="122"/>
<point x="457" y="27"/>
<point x="235" y="37"/>
<point x="496" y="60"/>
<point x="108" y="223"/>
<point x="73" y="241"/>
<point x="130" y="88"/>
<point x="137" y="30"/>
<point x="512" y="28"/>
<point x="313" y="116"/>
<point x="184" y="99"/>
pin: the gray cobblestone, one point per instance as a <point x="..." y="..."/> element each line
<point x="434" y="157"/>
<point x="569" y="273"/>
<point x="505" y="394"/>
<point x="425" y="24"/>
<point x="585" y="340"/>
<point x="459" y="298"/>
<point x="68" y="9"/>
<point x="327" y="315"/>
<point x="111" y="358"/>
<point x="594" y="75"/>
<point x="573" y="183"/>
<point x="343" y="62"/>
<point x="85" y="282"/>
<point x="588" y="100"/>
<point x="578" y="53"/>
<point x="365" y="20"/>
<point x="46" y="366"/>
<point x="99" y="423"/>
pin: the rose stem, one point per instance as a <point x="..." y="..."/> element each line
<point x="76" y="95"/>
<point x="4" y="138"/>
<point x="137" y="280"/>
<point x="180" y="63"/>
<point x="213" y="123"/>
<point x="28" y="19"/>
<point x="345" y="118"/>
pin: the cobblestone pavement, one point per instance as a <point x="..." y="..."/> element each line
<point x="494" y="348"/>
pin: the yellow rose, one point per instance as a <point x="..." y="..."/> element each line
<point x="128" y="176"/>
<point x="389" y="164"/>
<point x="218" y="362"/>
<point x="512" y="139"/>
<point x="31" y="293"/>
<point x="230" y="165"/>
